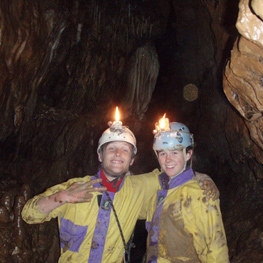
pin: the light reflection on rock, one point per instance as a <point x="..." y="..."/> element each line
<point x="19" y="242"/>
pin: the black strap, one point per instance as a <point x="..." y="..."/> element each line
<point x="127" y="246"/>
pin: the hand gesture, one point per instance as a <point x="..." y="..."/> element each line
<point x="81" y="192"/>
<point x="78" y="192"/>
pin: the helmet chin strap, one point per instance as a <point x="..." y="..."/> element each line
<point x="185" y="162"/>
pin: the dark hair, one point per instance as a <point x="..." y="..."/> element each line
<point x="188" y="149"/>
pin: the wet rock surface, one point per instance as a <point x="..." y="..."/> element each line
<point x="20" y="242"/>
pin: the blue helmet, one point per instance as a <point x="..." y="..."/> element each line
<point x="176" y="138"/>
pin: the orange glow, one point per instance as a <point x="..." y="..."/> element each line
<point x="117" y="115"/>
<point x="162" y="125"/>
<point x="162" y="122"/>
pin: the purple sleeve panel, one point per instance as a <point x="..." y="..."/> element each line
<point x="147" y="225"/>
<point x="153" y="228"/>
<point x="71" y="235"/>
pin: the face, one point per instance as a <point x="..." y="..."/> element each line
<point x="116" y="159"/>
<point x="172" y="162"/>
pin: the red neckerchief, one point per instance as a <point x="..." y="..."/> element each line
<point x="112" y="186"/>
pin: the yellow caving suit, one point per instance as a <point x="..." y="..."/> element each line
<point x="183" y="226"/>
<point x="88" y="232"/>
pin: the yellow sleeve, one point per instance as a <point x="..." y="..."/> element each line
<point x="150" y="184"/>
<point x="210" y="229"/>
<point x="32" y="215"/>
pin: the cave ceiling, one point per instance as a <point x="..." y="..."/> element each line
<point x="66" y="65"/>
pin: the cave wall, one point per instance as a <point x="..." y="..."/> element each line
<point x="242" y="84"/>
<point x="63" y="64"/>
<point x="243" y="73"/>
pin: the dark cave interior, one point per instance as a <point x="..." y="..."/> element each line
<point x="65" y="66"/>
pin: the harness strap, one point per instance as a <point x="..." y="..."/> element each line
<point x="126" y="254"/>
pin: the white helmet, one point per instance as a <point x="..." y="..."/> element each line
<point x="118" y="133"/>
<point x="177" y="137"/>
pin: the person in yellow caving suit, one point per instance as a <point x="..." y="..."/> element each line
<point x="183" y="225"/>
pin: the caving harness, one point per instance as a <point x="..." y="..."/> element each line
<point x="129" y="244"/>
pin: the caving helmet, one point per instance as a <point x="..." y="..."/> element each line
<point x="117" y="133"/>
<point x="176" y="137"/>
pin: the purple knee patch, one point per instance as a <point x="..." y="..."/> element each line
<point x="71" y="235"/>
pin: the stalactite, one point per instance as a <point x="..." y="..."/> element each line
<point x="143" y="73"/>
<point x="19" y="230"/>
<point x="4" y="215"/>
<point x="7" y="201"/>
<point x="26" y="192"/>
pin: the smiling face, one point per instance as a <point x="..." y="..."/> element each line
<point x="116" y="158"/>
<point x="172" y="162"/>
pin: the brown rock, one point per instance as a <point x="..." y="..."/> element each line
<point x="4" y="215"/>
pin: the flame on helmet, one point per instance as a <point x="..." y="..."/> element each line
<point x="117" y="114"/>
<point x="162" y="125"/>
<point x="162" y="122"/>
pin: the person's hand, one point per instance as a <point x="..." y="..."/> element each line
<point x="78" y="192"/>
<point x="81" y="192"/>
<point x="207" y="184"/>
